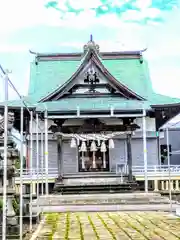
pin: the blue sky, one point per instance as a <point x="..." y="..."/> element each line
<point x="65" y="25"/>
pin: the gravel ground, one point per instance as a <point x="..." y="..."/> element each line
<point x="28" y="233"/>
<point x="109" y="225"/>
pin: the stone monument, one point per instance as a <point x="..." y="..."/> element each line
<point x="12" y="225"/>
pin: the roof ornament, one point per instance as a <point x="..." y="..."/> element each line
<point x="91" y="45"/>
<point x="141" y="57"/>
<point x="91" y="79"/>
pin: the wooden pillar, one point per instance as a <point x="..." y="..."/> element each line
<point x="59" y="123"/>
<point x="59" y="155"/>
<point x="129" y="155"/>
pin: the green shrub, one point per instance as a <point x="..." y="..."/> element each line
<point x="16" y="206"/>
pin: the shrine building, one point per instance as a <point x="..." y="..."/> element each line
<point x="102" y="111"/>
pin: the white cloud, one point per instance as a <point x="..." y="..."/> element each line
<point x="143" y="4"/>
<point x="140" y="15"/>
<point x="13" y="48"/>
<point x="85" y="4"/>
<point x="21" y="14"/>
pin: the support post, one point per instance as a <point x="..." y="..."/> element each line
<point x="129" y="156"/>
<point x="21" y="175"/>
<point x="177" y="185"/>
<point x="46" y="149"/>
<point x="162" y="185"/>
<point x="159" y="148"/>
<point x="156" y="185"/>
<point x="42" y="163"/>
<point x="145" y="152"/>
<point x="169" y="169"/>
<point x="59" y="149"/>
<point x="31" y="166"/>
<point x="5" y="159"/>
<point x="167" y="185"/>
<point x="37" y="158"/>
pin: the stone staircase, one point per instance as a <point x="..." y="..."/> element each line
<point x="83" y="202"/>
<point x="94" y="183"/>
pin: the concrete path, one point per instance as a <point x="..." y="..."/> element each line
<point x="100" y="208"/>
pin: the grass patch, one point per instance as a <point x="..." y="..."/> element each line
<point x="80" y="227"/>
<point x="66" y="236"/>
<point x="51" y="221"/>
<point x="107" y="227"/>
<point x="93" y="227"/>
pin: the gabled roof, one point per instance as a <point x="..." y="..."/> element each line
<point x="92" y="56"/>
<point x="127" y="70"/>
<point x="51" y="72"/>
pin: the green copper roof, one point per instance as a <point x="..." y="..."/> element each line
<point x="48" y="75"/>
<point x="29" y="102"/>
<point x="131" y="73"/>
<point x="100" y="103"/>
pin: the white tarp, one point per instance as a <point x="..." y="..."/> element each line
<point x="172" y="123"/>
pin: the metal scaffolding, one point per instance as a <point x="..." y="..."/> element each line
<point x="34" y="130"/>
<point x="172" y="124"/>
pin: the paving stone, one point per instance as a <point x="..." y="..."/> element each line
<point x="113" y="225"/>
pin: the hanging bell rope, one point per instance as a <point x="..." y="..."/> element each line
<point x="103" y="147"/>
<point x="98" y="136"/>
<point x="93" y="147"/>
<point x="83" y="147"/>
<point x="111" y="143"/>
<point x="78" y="141"/>
<point x="77" y="138"/>
<point x="73" y="143"/>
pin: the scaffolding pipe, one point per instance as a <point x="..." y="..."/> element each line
<point x="145" y="152"/>
<point x="46" y="149"/>
<point x="31" y="167"/>
<point x="42" y="164"/>
<point x="5" y="159"/>
<point x="37" y="159"/>
<point x="169" y="168"/>
<point x="159" y="148"/>
<point x="21" y="175"/>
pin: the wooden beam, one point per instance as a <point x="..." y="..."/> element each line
<point x="95" y="129"/>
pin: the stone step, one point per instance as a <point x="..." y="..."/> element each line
<point x="107" y="208"/>
<point x="102" y="199"/>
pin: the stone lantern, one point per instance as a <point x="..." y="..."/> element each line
<point x="12" y="227"/>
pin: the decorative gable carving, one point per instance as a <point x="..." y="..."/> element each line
<point x="92" y="78"/>
<point x="90" y="81"/>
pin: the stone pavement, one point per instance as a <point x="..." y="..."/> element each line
<point x="108" y="226"/>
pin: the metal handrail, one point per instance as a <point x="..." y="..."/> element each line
<point x="137" y="170"/>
